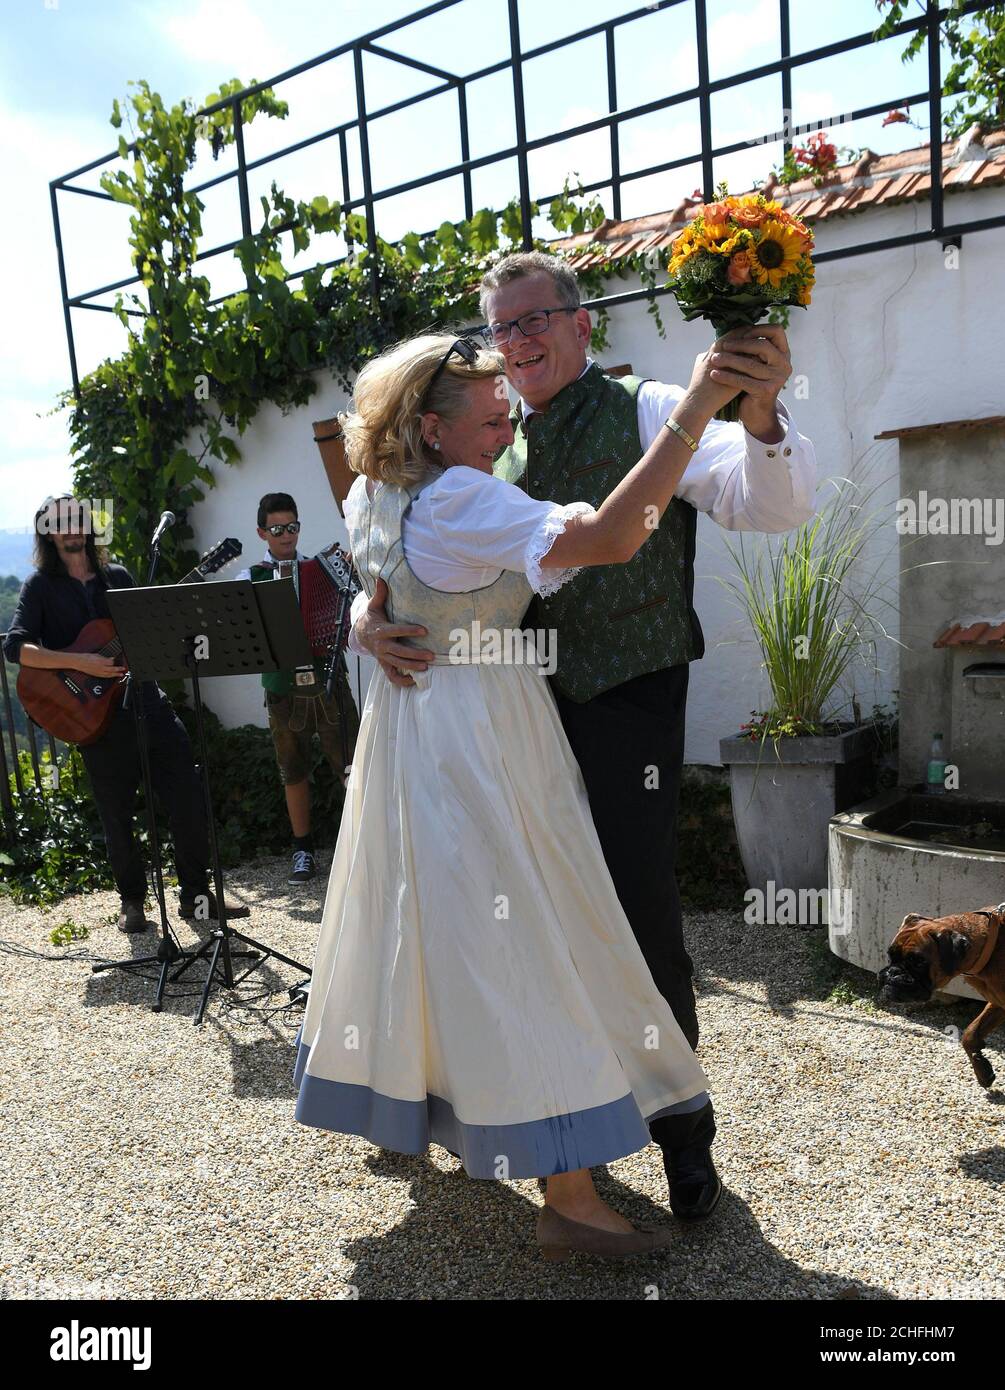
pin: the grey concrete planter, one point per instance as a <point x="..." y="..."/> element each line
<point x="783" y="801"/>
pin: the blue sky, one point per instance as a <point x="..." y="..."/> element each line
<point x="64" y="61"/>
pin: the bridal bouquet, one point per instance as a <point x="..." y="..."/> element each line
<point x="737" y="258"/>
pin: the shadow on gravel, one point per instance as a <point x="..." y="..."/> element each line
<point x="466" y="1239"/>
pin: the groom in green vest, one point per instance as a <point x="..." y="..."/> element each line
<point x="627" y="633"/>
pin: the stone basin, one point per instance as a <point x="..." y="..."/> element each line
<point x="907" y="851"/>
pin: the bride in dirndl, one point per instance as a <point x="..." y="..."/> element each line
<point x="476" y="983"/>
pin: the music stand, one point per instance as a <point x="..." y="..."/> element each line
<point x="230" y="628"/>
<point x="169" y="950"/>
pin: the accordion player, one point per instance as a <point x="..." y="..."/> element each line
<point x="316" y="698"/>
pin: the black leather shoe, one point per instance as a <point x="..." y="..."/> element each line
<point x="695" y="1186"/>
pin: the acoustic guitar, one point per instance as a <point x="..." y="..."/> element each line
<point x="78" y="708"/>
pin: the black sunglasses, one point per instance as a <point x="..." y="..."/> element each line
<point x="293" y="527"/>
<point x="466" y="350"/>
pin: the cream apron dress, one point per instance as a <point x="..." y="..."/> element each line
<point x="476" y="983"/>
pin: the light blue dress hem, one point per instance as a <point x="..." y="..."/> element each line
<point x="536" y="1148"/>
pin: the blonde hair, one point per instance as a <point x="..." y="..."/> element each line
<point x="383" y="424"/>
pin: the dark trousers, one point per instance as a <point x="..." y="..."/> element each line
<point x="113" y="767"/>
<point x="629" y="743"/>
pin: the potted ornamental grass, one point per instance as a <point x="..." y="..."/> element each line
<point x="814" y="613"/>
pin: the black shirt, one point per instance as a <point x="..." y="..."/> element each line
<point x="52" y="609"/>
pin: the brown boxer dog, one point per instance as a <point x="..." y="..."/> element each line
<point x="928" y="952"/>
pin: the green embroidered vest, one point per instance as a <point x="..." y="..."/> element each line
<point x="283" y="682"/>
<point x="612" y="622"/>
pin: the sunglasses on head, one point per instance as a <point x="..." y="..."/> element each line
<point x="465" y="349"/>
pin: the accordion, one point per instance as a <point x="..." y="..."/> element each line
<point x="325" y="588"/>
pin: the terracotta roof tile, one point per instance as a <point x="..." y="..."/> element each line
<point x="872" y="180"/>
<point x="959" y="174"/>
<point x="995" y="421"/>
<point x="973" y="632"/>
<point x="899" y="187"/>
<point x="853" y="197"/>
<point x="878" y="192"/>
<point x="991" y="171"/>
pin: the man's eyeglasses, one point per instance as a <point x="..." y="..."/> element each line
<point x="292" y="526"/>
<point x="465" y="349"/>
<point x="530" y="325"/>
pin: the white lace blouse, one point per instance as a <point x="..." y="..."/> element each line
<point x="466" y="527"/>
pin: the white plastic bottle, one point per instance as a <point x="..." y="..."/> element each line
<point x="937" y="768"/>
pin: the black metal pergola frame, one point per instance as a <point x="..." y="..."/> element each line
<point x="518" y="57"/>
<point x="783" y="66"/>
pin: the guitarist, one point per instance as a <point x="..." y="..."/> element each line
<point x="296" y="701"/>
<point x="66" y="591"/>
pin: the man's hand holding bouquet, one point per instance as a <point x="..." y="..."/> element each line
<point x="736" y="259"/>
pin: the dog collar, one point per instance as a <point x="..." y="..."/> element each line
<point x="991" y="942"/>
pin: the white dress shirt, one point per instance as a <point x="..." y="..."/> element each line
<point x="740" y="482"/>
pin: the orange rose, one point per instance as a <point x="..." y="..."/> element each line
<point x="750" y="216"/>
<point x="799" y="225"/>
<point x="738" y="270"/>
<point x="716" y="212"/>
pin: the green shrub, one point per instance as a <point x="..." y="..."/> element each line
<point x="248" y="801"/>
<point x="55" y="843"/>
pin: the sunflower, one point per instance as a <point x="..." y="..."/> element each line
<point x="682" y="248"/>
<point x="713" y="231"/>
<point x="776" y="254"/>
<point x="737" y="242"/>
<point x="712" y="242"/>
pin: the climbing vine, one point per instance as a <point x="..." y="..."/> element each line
<point x="198" y="370"/>
<point x="976" y="75"/>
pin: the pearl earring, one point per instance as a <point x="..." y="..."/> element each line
<point x="436" y="444"/>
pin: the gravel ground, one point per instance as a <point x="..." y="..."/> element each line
<point x="145" y="1158"/>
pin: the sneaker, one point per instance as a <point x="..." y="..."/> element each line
<point x="303" y="867"/>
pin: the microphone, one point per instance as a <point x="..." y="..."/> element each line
<point x="167" y="520"/>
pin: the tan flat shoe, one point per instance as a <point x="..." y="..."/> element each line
<point x="558" y="1238"/>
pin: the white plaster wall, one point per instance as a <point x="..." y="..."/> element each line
<point x="893" y="338"/>
<point x="279" y="455"/>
